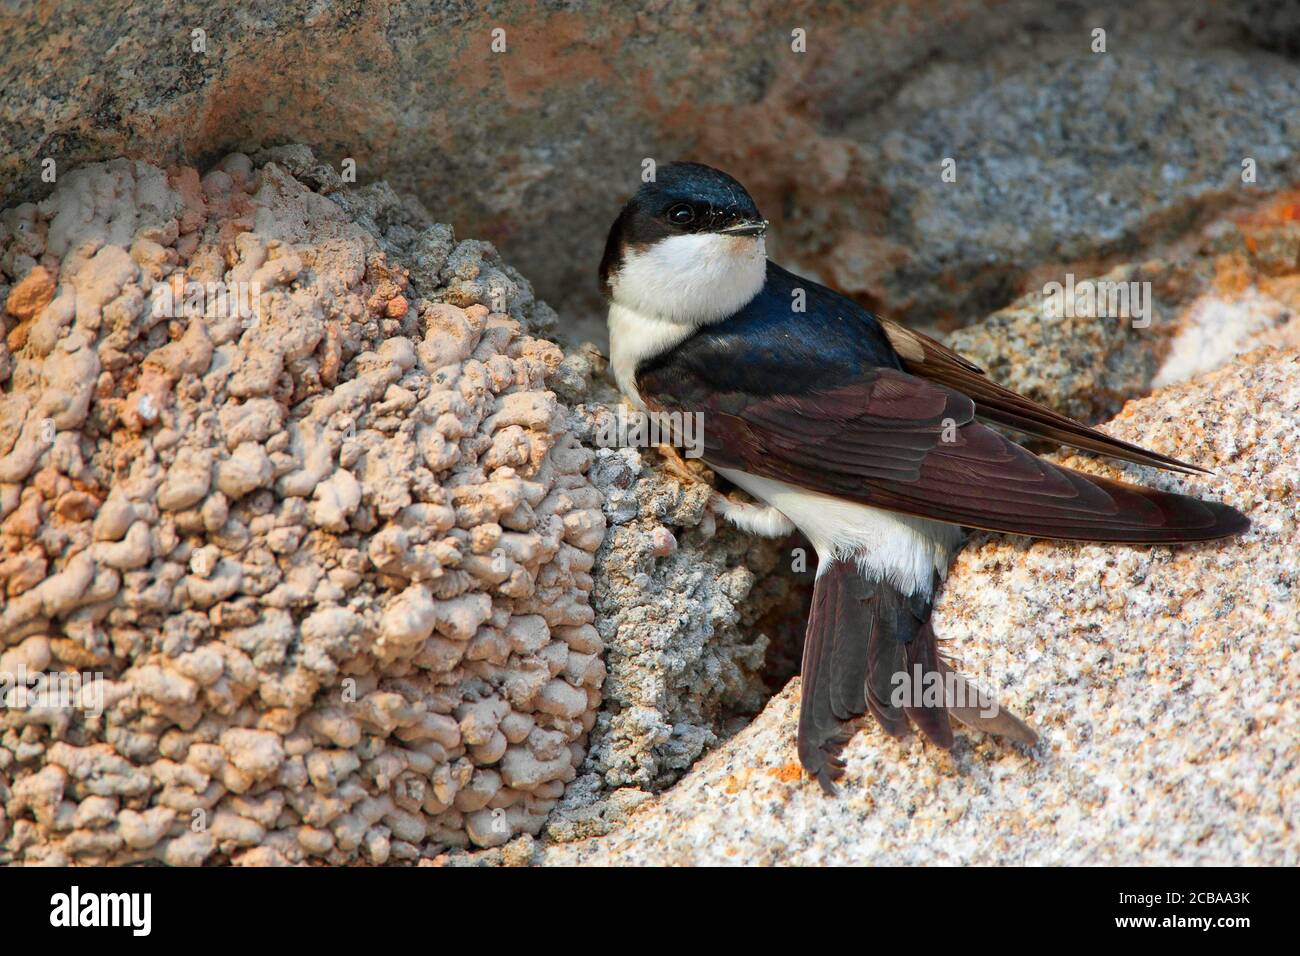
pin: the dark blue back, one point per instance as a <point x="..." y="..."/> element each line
<point x="768" y="347"/>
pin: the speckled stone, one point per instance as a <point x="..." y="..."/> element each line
<point x="1231" y="287"/>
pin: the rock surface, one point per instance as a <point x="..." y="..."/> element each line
<point x="1163" y="681"/>
<point x="840" y="129"/>
<point x="686" y="606"/>
<point x="321" y="553"/>
<point x="1231" y="287"/>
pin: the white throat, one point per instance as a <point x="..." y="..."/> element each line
<point x="663" y="293"/>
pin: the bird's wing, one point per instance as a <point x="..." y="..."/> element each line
<point x="925" y="358"/>
<point x="895" y="441"/>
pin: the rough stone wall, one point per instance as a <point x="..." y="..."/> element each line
<point x="332" y="558"/>
<point x="1232" y="288"/>
<point x="680" y="599"/>
<point x="1062" y="154"/>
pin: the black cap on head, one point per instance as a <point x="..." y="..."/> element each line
<point x="683" y="198"/>
<point x="720" y="199"/>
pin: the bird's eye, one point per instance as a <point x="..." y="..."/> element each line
<point x="681" y="215"/>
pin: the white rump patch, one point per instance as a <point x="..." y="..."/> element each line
<point x="901" y="549"/>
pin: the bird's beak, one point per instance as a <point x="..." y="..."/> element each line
<point x="745" y="229"/>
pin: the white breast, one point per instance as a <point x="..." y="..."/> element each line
<point x="691" y="279"/>
<point x="634" y="337"/>
<point x="663" y="293"/>
<point x="903" y="550"/>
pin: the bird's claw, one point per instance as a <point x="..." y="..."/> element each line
<point x="676" y="466"/>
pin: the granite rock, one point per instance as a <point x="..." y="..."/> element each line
<point x="1230" y="287"/>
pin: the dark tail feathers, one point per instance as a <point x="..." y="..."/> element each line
<point x="869" y="647"/>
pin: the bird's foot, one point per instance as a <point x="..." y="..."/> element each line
<point x="676" y="466"/>
<point x="749" y="516"/>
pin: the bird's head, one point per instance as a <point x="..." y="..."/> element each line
<point x="687" y="248"/>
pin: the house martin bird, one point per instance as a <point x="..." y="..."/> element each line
<point x="866" y="436"/>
